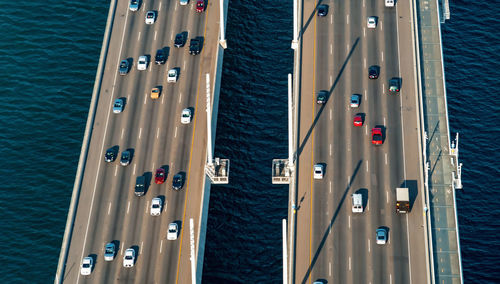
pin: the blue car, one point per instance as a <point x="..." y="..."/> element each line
<point x="118" y="105"/>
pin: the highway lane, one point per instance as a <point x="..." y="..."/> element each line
<point x="337" y="51"/>
<point x="153" y="130"/>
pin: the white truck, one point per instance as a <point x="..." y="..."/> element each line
<point x="402" y="200"/>
<point x="357" y="203"/>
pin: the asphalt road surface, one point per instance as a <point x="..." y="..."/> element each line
<point x="332" y="243"/>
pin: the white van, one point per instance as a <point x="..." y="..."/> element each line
<point x="389" y="3"/>
<point x="357" y="203"/>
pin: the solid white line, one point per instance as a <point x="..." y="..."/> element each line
<point x="142" y="244"/>
<point x="161" y="245"/>
<point x="139" y="37"/>
<point x="109" y="208"/>
<point x="116" y="169"/>
<point x="175" y="132"/>
<point x="386" y="158"/>
<point x="102" y="149"/>
<point x="128" y="207"/>
<point x="157" y="132"/>
<point x="140" y="132"/>
<point x="134" y="169"/>
<point x="123" y="130"/>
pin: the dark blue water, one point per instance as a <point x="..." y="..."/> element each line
<point x="48" y="56"/>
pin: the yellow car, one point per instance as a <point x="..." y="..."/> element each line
<point x="155" y="93"/>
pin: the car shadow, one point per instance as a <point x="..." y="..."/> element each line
<point x="364" y="196"/>
<point x="412" y="186"/>
<point x="94" y="261"/>
<point x="136" y="249"/>
<point x="163" y="199"/>
<point x="383" y="130"/>
<point x="148" y="177"/>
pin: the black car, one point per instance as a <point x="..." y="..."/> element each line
<point x="180" y="40"/>
<point x="160" y="57"/>
<point x="124" y="67"/>
<point x="177" y="182"/>
<point x="394" y="85"/>
<point x="321" y="97"/>
<point x="194" y="46"/>
<point x="322" y="10"/>
<point x="140" y="186"/>
<point x="110" y="155"/>
<point x="373" y="72"/>
<point x="125" y="158"/>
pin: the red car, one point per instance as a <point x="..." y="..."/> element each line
<point x="160" y="176"/>
<point x="377" y="136"/>
<point x="358" y="120"/>
<point x="200" y="6"/>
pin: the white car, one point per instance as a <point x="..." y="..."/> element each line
<point x="381" y="236"/>
<point x="129" y="258"/>
<point x="183" y="2"/>
<point x="186" y="116"/>
<point x="318" y="171"/>
<point x="173" y="231"/>
<point x="87" y="264"/>
<point x="156" y="205"/>
<point x="172" y="75"/>
<point x="142" y="63"/>
<point x="371" y="22"/>
<point x="354" y="101"/>
<point x="150" y="17"/>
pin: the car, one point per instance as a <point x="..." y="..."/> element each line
<point x="318" y="171"/>
<point x="173" y="231"/>
<point x="155" y="93"/>
<point x="394" y="85"/>
<point x="142" y="63"/>
<point x="354" y="102"/>
<point x="186" y="116"/>
<point x="180" y="40"/>
<point x="87" y="264"/>
<point x="377" y="137"/>
<point x="373" y="72"/>
<point x="172" y="75"/>
<point x="125" y="158"/>
<point x="371" y="22"/>
<point x="156" y="205"/>
<point x="381" y="234"/>
<point x="118" y="105"/>
<point x="200" y="6"/>
<point x="129" y="258"/>
<point x="110" y="155"/>
<point x="160" y="176"/>
<point x="322" y="10"/>
<point x="109" y="252"/>
<point x="194" y="46"/>
<point x="160" y="57"/>
<point x="150" y="17"/>
<point x="183" y="2"/>
<point x="177" y="182"/>
<point x="140" y="186"/>
<point x="124" y="67"/>
<point x="358" y="120"/>
<point x="134" y="5"/>
<point x="321" y="97"/>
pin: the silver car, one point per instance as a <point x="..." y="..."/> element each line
<point x="124" y="67"/>
<point x="134" y="5"/>
<point x="381" y="236"/>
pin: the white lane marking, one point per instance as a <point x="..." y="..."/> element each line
<point x="386" y="158"/>
<point x="348" y="180"/>
<point x="109" y="208"/>
<point x="102" y="149"/>
<point x="184" y="65"/>
<point x="330" y="269"/>
<point x="157" y="132"/>
<point x="175" y="132"/>
<point x="139" y="37"/>
<point x="123" y="130"/>
<point x="116" y="169"/>
<point x="363" y="3"/>
<point x="143" y="7"/>
<point x="347" y="47"/>
<point x="153" y="168"/>
<point x="134" y="169"/>
<point x="383" y="88"/>
<point x="368" y="205"/>
<point x="367" y="166"/>
<point x="180" y="98"/>
<point x="121" y="251"/>
<point x="330" y="149"/>
<point x="386" y="196"/>
<point x="368" y="245"/>
<point x="364" y="62"/>
<point x="390" y="278"/>
<point x="349" y="263"/>
<point x="161" y="245"/>
<point x="366" y="97"/>
<point x="330" y="186"/>
<point x="364" y="32"/>
<point x="331" y="114"/>
<point x="159" y="8"/>
<point x="142" y="244"/>
<point x="331" y="80"/>
<point x="175" y="9"/>
<point x="128" y="207"/>
<point x="382" y="54"/>
<point x="348" y="19"/>
<point x="366" y="129"/>
<point x="156" y="32"/>
<point x="171" y="37"/>
<point x="162" y="97"/>
<point x="145" y="98"/>
<point x="146" y="208"/>
<point x="384" y="121"/>
<point x="331" y="48"/>
<point x="381" y="26"/>
<point x="349" y="221"/>
<point x="150" y="66"/>
<point x="140" y="132"/>
<point x="331" y="18"/>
